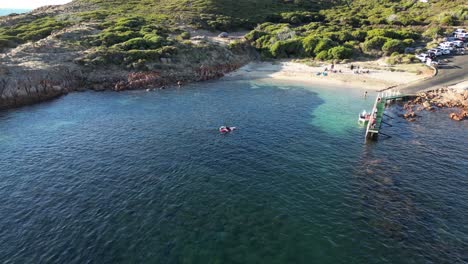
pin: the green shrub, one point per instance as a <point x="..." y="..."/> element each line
<point x="300" y="17"/>
<point x="109" y="38"/>
<point x="36" y="34"/>
<point x="407" y="34"/>
<point x="168" y="51"/>
<point x="345" y="36"/>
<point x="119" y="29"/>
<point x="93" y="15"/>
<point x="408" y="42"/>
<point x="287" y="48"/>
<point x="254" y="35"/>
<point x="324" y="45"/>
<point x="447" y="20"/>
<point x="388" y="33"/>
<point x="154" y="38"/>
<point x="141" y="43"/>
<point x="185" y="35"/>
<point x="359" y="35"/>
<point x="392" y="45"/>
<point x="264" y="42"/>
<point x="236" y="45"/>
<point x="309" y="43"/>
<point x="135" y="55"/>
<point x="375" y="43"/>
<point x="131" y="22"/>
<point x="433" y="32"/>
<point x="323" y="55"/>
<point x="340" y="53"/>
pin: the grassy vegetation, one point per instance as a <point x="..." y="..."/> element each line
<point x="137" y="32"/>
<point x="29" y="30"/>
<point x="210" y="14"/>
<point x="359" y="28"/>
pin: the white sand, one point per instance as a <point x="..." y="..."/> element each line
<point x="292" y="71"/>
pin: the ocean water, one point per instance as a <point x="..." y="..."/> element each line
<point x="137" y="177"/>
<point x="7" y="11"/>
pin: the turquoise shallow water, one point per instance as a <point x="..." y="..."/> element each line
<point x="7" y="11"/>
<point x="140" y="177"/>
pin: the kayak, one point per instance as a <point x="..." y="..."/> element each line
<point x="225" y="129"/>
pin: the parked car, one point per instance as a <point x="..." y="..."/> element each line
<point x="449" y="39"/>
<point x="431" y="55"/>
<point x="447" y="45"/>
<point x="422" y="57"/>
<point x="437" y="52"/>
<point x="459" y="43"/>
<point x="445" y="51"/>
<point x="460" y="51"/>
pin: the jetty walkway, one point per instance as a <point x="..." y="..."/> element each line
<point x="453" y="70"/>
<point x="378" y="112"/>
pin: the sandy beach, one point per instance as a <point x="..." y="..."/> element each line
<point x="295" y="71"/>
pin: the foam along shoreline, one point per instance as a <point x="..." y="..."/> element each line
<point x="298" y="72"/>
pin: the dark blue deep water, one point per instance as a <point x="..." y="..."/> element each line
<point x="140" y="177"/>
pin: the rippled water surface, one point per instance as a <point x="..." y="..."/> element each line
<point x="141" y="177"/>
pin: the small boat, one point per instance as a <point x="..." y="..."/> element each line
<point x="364" y="117"/>
<point x="226" y="129"/>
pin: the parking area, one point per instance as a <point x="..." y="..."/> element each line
<point x="453" y="70"/>
<point x="453" y="45"/>
<point x="452" y="66"/>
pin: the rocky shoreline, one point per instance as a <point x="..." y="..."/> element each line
<point x="438" y="99"/>
<point x="43" y="70"/>
<point x="31" y="87"/>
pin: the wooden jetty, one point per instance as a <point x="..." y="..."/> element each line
<point x="378" y="112"/>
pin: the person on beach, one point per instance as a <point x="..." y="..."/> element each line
<point x="365" y="94"/>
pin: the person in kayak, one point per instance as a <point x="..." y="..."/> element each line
<point x="226" y="129"/>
